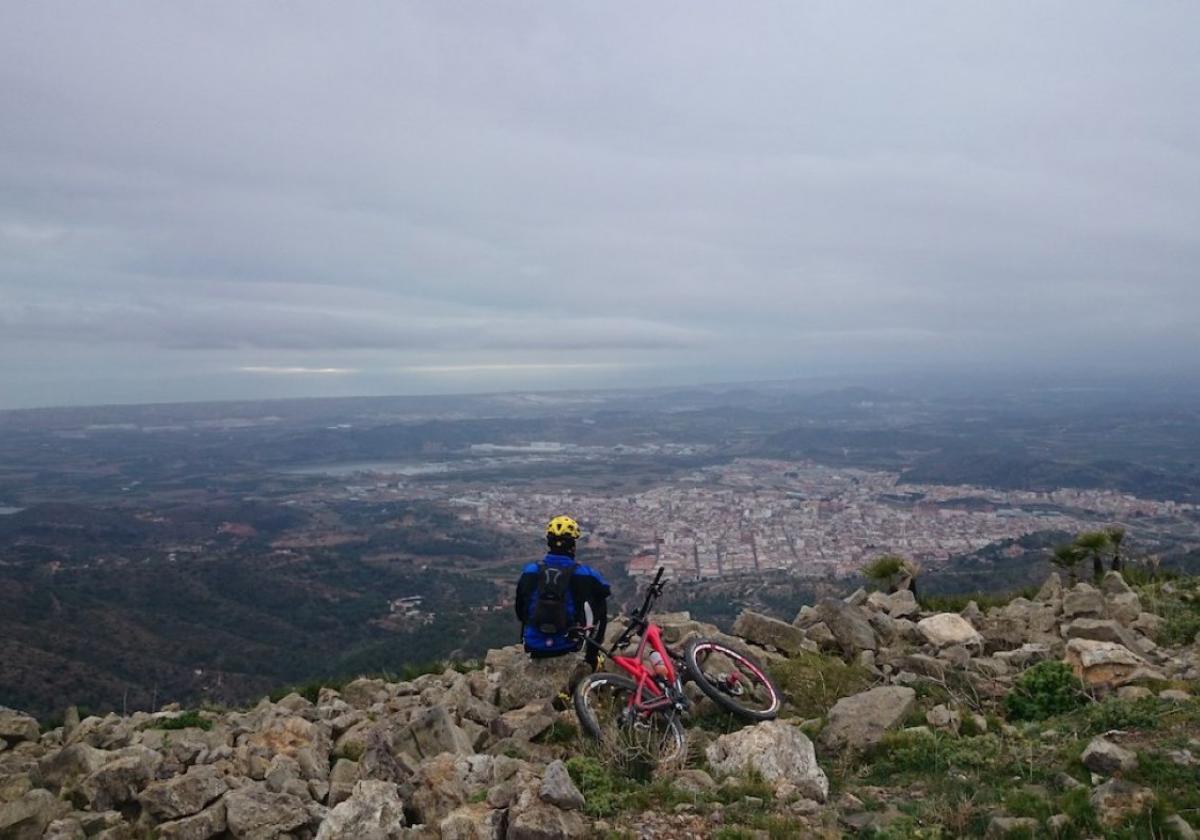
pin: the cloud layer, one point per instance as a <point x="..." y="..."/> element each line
<point x="190" y="191"/>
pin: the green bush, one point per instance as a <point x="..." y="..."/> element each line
<point x="1123" y="714"/>
<point x="185" y="720"/>
<point x="812" y="683"/>
<point x="1045" y="690"/>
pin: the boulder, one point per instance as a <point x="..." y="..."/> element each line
<point x="1026" y="655"/>
<point x="525" y="723"/>
<point x="477" y="821"/>
<point x="520" y="680"/>
<point x="1113" y="583"/>
<point x="878" y="602"/>
<point x="363" y="693"/>
<point x="297" y="738"/>
<point x="848" y="625"/>
<point x="1103" y="756"/>
<point x="27" y="818"/>
<point x="779" y="752"/>
<point x="255" y="813"/>
<point x="769" y="632"/>
<point x="820" y="635"/>
<point x="902" y="604"/>
<point x="374" y="811"/>
<point x="532" y="819"/>
<point x="16" y="727"/>
<point x="207" y="824"/>
<point x="945" y="629"/>
<point x="182" y="796"/>
<point x="120" y="780"/>
<point x="944" y="718"/>
<point x="1105" y="663"/>
<point x="1116" y="801"/>
<point x="558" y="789"/>
<point x="1083" y="599"/>
<point x="342" y="779"/>
<point x="433" y="732"/>
<point x="58" y="769"/>
<point x="1101" y="630"/>
<point x="67" y="828"/>
<point x="1148" y="623"/>
<point x="1051" y="591"/>
<point x="861" y="719"/>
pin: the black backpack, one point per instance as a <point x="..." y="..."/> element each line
<point x="550" y="609"/>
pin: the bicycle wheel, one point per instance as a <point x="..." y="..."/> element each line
<point x="732" y="680"/>
<point x="602" y="706"/>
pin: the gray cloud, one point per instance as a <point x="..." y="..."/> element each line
<point x="753" y="190"/>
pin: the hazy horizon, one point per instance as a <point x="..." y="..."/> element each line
<point x="204" y="202"/>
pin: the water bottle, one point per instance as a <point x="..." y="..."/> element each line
<point x="656" y="662"/>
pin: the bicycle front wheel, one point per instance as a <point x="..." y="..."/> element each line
<point x="602" y="704"/>
<point x="732" y="680"/>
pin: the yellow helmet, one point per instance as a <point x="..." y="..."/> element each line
<point x="563" y="526"/>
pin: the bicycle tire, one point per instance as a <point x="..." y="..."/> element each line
<point x="720" y="693"/>
<point x="603" y="720"/>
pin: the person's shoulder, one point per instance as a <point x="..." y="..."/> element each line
<point x="530" y="569"/>
<point x="588" y="571"/>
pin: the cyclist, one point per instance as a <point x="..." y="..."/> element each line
<point x="558" y="594"/>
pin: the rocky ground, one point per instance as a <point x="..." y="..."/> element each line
<point x="1068" y="714"/>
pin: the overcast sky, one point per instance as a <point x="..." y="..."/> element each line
<point x="210" y="200"/>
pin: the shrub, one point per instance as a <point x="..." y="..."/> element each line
<point x="812" y="683"/>
<point x="185" y="720"/>
<point x="1045" y="690"/>
<point x="1122" y="714"/>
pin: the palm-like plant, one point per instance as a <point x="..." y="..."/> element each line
<point x="1094" y="544"/>
<point x="1116" y="536"/>
<point x="1067" y="558"/>
<point x="890" y="570"/>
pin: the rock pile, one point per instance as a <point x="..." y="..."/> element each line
<point x="462" y="755"/>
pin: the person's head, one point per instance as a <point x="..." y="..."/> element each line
<point x="561" y="534"/>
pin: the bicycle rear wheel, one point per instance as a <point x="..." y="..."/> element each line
<point x="602" y="704"/>
<point x="732" y="680"/>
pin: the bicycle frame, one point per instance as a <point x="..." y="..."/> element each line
<point x="646" y="678"/>
<point x="651" y="694"/>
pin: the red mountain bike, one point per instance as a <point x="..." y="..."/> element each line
<point x="649" y="702"/>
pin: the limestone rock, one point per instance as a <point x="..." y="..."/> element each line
<point x="558" y="789"/>
<point x="120" y="780"/>
<point x="208" y="823"/>
<point x="342" y="779"/>
<point x="1104" y="663"/>
<point x="861" y="719"/>
<point x="525" y="723"/>
<point x="255" y="813"/>
<point x="68" y="828"/>
<point x="73" y="761"/>
<point x="521" y="680"/>
<point x="27" y="818"/>
<point x="374" y="811"/>
<point x="477" y="821"/>
<point x="1103" y="756"/>
<point x="532" y="819"/>
<point x="943" y="717"/>
<point x="902" y="604"/>
<point x="1051" y="591"/>
<point x="16" y="726"/>
<point x="1083" y="600"/>
<point x="363" y="693"/>
<point x="766" y="631"/>
<point x="1101" y="630"/>
<point x="1116" y="800"/>
<point x="182" y="796"/>
<point x="945" y="629"/>
<point x="848" y="625"/>
<point x="778" y="751"/>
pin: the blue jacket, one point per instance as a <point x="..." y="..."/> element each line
<point x="588" y="587"/>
